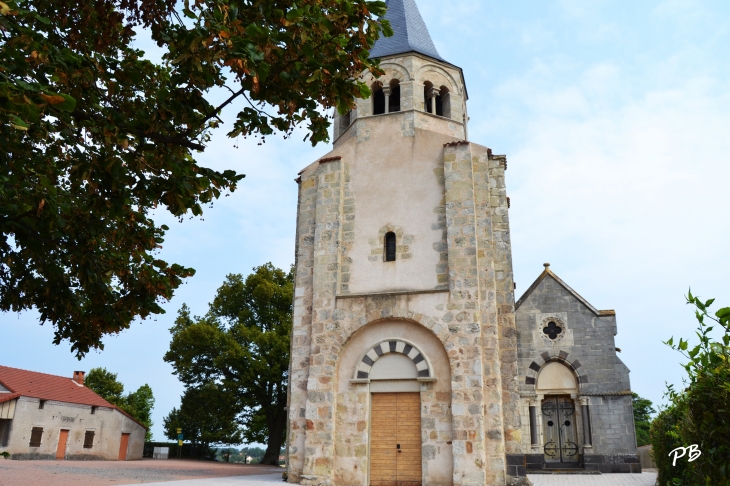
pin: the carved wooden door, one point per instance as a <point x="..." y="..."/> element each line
<point x="558" y="419"/>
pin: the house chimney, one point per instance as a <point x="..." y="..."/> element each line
<point x="79" y="377"/>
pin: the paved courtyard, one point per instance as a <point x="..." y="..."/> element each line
<point x="95" y="473"/>
<point x="207" y="473"/>
<point x="264" y="480"/>
<point x="643" y="479"/>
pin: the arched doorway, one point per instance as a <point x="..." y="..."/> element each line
<point x="558" y="388"/>
<point x="394" y="388"/>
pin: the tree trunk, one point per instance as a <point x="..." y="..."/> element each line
<point x="276" y="437"/>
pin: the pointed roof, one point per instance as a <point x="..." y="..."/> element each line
<point x="409" y="32"/>
<point x="547" y="272"/>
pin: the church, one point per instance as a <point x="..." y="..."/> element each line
<point x="411" y="361"/>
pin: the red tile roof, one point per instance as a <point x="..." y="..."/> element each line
<point x="48" y="387"/>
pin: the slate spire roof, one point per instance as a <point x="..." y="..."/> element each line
<point x="409" y="32"/>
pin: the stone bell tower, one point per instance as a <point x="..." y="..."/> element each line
<point x="403" y="360"/>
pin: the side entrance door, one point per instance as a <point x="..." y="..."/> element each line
<point x="395" y="439"/>
<point x="558" y="419"/>
<point x="123" y="444"/>
<point x="61" y="449"/>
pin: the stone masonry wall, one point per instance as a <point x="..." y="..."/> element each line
<point x="587" y="346"/>
<point x="475" y="323"/>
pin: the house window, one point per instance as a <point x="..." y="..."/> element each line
<point x="35" y="436"/>
<point x="390" y="246"/>
<point x="93" y="410"/>
<point x="41" y="405"/>
<point x="89" y="439"/>
<point x="4" y="432"/>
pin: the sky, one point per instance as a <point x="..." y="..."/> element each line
<point x="615" y="119"/>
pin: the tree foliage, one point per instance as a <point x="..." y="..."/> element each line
<point x="242" y="345"/>
<point x="207" y="415"/>
<point x="93" y="136"/>
<point x="700" y="414"/>
<point x="138" y="404"/>
<point x="642" y="418"/>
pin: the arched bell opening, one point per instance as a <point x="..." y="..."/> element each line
<point x="394" y="98"/>
<point x="433" y="99"/>
<point x="378" y="98"/>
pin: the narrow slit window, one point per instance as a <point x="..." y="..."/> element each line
<point x="390" y="246"/>
<point x="89" y="439"/>
<point x="35" y="436"/>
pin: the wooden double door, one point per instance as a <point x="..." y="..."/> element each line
<point x="559" y="429"/>
<point x="395" y="439"/>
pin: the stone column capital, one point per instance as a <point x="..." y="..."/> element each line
<point x="584" y="400"/>
<point x="434" y="92"/>
<point x="386" y="90"/>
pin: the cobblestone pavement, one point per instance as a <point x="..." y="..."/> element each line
<point x="643" y="479"/>
<point x="95" y="473"/>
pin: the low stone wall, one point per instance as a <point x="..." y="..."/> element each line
<point x="646" y="456"/>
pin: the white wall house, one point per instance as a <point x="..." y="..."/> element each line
<point x="54" y="417"/>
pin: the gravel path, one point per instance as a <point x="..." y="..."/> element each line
<point x="95" y="473"/>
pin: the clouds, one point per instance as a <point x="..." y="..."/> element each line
<point x="614" y="118"/>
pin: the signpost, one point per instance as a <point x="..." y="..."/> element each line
<point x="179" y="442"/>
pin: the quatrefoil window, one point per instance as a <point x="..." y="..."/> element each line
<point x="552" y="330"/>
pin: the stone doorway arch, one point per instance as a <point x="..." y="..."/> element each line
<point x="393" y="357"/>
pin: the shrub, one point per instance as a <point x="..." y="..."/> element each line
<point x="701" y="413"/>
<point x="665" y="438"/>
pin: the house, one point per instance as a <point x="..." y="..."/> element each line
<point x="46" y="416"/>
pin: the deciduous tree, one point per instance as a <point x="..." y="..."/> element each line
<point x="642" y="418"/>
<point x="207" y="415"/>
<point x="138" y="404"/>
<point x="94" y="136"/>
<point x="242" y="345"/>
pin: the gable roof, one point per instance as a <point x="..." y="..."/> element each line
<point x="48" y="387"/>
<point x="410" y="33"/>
<point x="549" y="273"/>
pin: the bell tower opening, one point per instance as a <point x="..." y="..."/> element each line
<point x="378" y="98"/>
<point x="394" y="100"/>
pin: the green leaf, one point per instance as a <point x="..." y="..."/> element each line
<point x="682" y="345"/>
<point x="18" y="123"/>
<point x="68" y="105"/>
